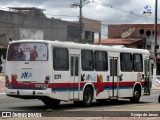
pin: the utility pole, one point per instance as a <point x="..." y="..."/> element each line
<point x="80" y="21"/>
<point x="155" y="46"/>
<point x="155" y="33"/>
<point x="80" y="5"/>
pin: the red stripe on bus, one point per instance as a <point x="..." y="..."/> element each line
<point x="69" y="85"/>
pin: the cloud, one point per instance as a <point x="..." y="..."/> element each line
<point x="126" y="11"/>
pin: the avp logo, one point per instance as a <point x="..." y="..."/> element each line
<point x="26" y="75"/>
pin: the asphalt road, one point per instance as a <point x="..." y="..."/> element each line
<point x="120" y="108"/>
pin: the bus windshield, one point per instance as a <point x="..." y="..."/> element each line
<point x="28" y="52"/>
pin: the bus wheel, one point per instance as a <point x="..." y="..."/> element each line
<point x="136" y="96"/>
<point x="87" y="96"/>
<point x="159" y="99"/>
<point x="49" y="102"/>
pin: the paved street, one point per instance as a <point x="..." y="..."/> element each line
<point x="108" y="109"/>
<point x="147" y="103"/>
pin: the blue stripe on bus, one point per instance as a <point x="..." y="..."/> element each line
<point x="81" y="89"/>
<point x="76" y="89"/>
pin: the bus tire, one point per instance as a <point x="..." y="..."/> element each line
<point x="87" y="96"/>
<point x="49" y="102"/>
<point x="136" y="95"/>
<point x="159" y="99"/>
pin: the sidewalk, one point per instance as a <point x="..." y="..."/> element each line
<point x="2" y="84"/>
<point x="155" y="87"/>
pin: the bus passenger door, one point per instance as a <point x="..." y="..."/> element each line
<point x="74" y="73"/>
<point x="147" y="76"/>
<point x="114" y="77"/>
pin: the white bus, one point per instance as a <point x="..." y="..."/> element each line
<point x="54" y="71"/>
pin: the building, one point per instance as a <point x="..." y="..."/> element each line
<point x="142" y="31"/>
<point x="13" y="23"/>
<point x="90" y="29"/>
<point x="126" y="42"/>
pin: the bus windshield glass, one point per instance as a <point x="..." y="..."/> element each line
<point x="28" y="52"/>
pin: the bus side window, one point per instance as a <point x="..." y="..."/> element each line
<point x="101" y="61"/>
<point x="60" y="59"/>
<point x="126" y="62"/>
<point x="138" y="62"/>
<point x="87" y="60"/>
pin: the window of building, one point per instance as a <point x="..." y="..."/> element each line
<point x="157" y="46"/>
<point x="89" y="35"/>
<point x="148" y="47"/>
<point x="60" y="59"/>
<point x="87" y="60"/>
<point x="138" y="63"/>
<point x="126" y="62"/>
<point x="140" y="46"/>
<point x="101" y="63"/>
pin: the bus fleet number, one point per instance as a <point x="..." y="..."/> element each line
<point x="57" y="76"/>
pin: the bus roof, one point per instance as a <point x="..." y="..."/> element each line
<point x="86" y="46"/>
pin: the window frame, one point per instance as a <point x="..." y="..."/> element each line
<point x="100" y="61"/>
<point x="83" y="60"/>
<point x="135" y="63"/>
<point x="54" y="59"/>
<point x="125" y="63"/>
<point x="9" y="52"/>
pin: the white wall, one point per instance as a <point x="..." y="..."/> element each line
<point x="30" y="34"/>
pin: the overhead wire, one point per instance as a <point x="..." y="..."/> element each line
<point x="119" y="9"/>
<point x="106" y="5"/>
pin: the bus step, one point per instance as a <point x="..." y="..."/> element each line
<point x="114" y="98"/>
<point x="145" y="94"/>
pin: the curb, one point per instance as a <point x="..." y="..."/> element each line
<point x="154" y="87"/>
<point x="2" y="93"/>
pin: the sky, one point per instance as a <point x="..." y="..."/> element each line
<point x="106" y="11"/>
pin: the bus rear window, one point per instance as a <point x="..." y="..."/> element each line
<point x="27" y="52"/>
